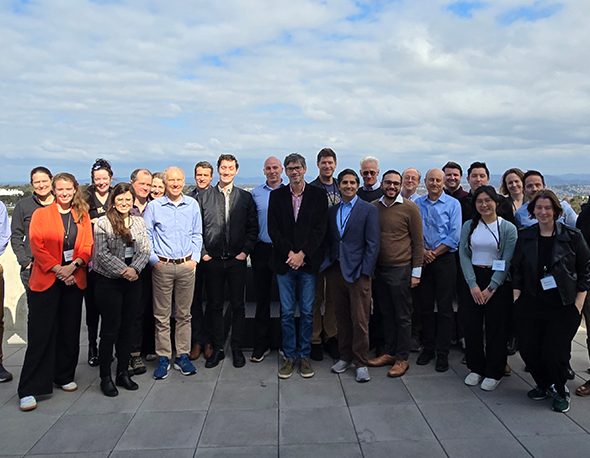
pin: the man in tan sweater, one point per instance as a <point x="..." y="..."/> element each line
<point x="399" y="267"/>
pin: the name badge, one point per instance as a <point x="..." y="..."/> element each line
<point x="68" y="255"/>
<point x="129" y="252"/>
<point x="548" y="282"/>
<point x="499" y="265"/>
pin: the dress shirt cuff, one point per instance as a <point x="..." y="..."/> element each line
<point x="417" y="272"/>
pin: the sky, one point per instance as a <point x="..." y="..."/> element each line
<point x="414" y="83"/>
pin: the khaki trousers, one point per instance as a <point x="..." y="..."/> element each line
<point x="173" y="281"/>
<point x="327" y="322"/>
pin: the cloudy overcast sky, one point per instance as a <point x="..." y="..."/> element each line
<point x="414" y="82"/>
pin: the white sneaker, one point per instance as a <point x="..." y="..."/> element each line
<point x="340" y="367"/>
<point x="72" y="386"/>
<point x="489" y="384"/>
<point x="473" y="378"/>
<point x="28" y="403"/>
<point x="362" y="374"/>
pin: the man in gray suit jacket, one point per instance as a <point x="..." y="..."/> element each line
<point x="353" y="245"/>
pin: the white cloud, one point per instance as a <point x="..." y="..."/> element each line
<point x="150" y="83"/>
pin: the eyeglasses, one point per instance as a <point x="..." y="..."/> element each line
<point x="367" y="173"/>
<point x="397" y="184"/>
<point x="295" y="168"/>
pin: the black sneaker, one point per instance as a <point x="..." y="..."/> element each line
<point x="561" y="403"/>
<point x="424" y="358"/>
<point x="537" y="394"/>
<point x="5" y="376"/>
<point x="331" y="346"/>
<point x="442" y="362"/>
<point x="259" y="354"/>
<point x="317" y="352"/>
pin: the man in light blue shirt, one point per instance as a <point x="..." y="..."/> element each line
<point x="5" y="376"/>
<point x="174" y="229"/>
<point x="534" y="182"/>
<point x="260" y="257"/>
<point x="441" y="222"/>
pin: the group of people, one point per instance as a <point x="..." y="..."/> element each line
<point x="361" y="256"/>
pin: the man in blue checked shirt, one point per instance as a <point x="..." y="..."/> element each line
<point x="441" y="221"/>
<point x="174" y="229"/>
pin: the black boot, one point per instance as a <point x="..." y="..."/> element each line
<point x="125" y="381"/>
<point x="107" y="387"/>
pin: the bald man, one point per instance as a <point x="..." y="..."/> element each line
<point x="441" y="222"/>
<point x="174" y="229"/>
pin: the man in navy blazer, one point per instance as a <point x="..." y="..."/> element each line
<point x="353" y="246"/>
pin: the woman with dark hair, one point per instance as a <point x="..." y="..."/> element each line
<point x="121" y="251"/>
<point x="97" y="196"/>
<point x="61" y="245"/>
<point x="551" y="276"/>
<point x="21" y="220"/>
<point x="485" y="251"/>
<point x="512" y="186"/>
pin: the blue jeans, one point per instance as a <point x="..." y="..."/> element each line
<point x="293" y="284"/>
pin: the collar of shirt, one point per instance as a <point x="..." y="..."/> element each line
<point x="444" y="197"/>
<point x="398" y="200"/>
<point x="165" y="200"/>
<point x="302" y="190"/>
<point x="377" y="185"/>
<point x="351" y="203"/>
<point x="227" y="190"/>
<point x="266" y="186"/>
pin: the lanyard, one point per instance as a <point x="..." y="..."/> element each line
<point x="497" y="239"/>
<point x="69" y="223"/>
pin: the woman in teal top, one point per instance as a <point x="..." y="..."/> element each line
<point x="485" y="250"/>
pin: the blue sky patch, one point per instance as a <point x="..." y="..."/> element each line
<point x="465" y="9"/>
<point x="535" y="12"/>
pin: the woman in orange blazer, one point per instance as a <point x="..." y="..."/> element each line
<point x="61" y="243"/>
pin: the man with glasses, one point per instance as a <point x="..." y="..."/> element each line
<point x="297" y="221"/>
<point x="371" y="189"/>
<point x="410" y="181"/>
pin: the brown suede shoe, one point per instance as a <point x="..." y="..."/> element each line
<point x="208" y="352"/>
<point x="398" y="369"/>
<point x="195" y="352"/>
<point x="383" y="360"/>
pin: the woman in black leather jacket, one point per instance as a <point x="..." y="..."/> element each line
<point x="551" y="275"/>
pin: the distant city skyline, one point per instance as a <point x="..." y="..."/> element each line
<point x="150" y="84"/>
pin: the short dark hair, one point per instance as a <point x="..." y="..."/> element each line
<point x="533" y="173"/>
<point x="101" y="164"/>
<point x="478" y="165"/>
<point x="545" y="194"/>
<point x="205" y="165"/>
<point x="349" y="172"/>
<point x="326" y="152"/>
<point x="391" y="171"/>
<point x="41" y="169"/>
<point x="295" y="157"/>
<point x="133" y="176"/>
<point x="452" y="165"/>
<point x="227" y="157"/>
<point x="504" y="186"/>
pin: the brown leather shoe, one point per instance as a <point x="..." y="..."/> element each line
<point x="383" y="360"/>
<point x="398" y="369"/>
<point x="195" y="352"/>
<point x="583" y="390"/>
<point x="208" y="352"/>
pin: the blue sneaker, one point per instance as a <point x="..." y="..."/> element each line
<point x="161" y="372"/>
<point x="184" y="365"/>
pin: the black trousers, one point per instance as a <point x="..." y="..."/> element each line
<point x="53" y="339"/>
<point x="220" y="272"/>
<point x="545" y="337"/>
<point x="118" y="301"/>
<point x="143" y="324"/>
<point x="263" y="279"/>
<point x="438" y="287"/>
<point x="395" y="304"/>
<point x="92" y="313"/>
<point x="490" y="320"/>
<point x="200" y="321"/>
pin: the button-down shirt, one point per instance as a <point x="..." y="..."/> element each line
<point x="261" y="195"/>
<point x="523" y="219"/>
<point x="296" y="200"/>
<point x="343" y="214"/>
<point x="174" y="229"/>
<point x="226" y="193"/>
<point x="4" y="228"/>
<point x="377" y="185"/>
<point x="441" y="221"/>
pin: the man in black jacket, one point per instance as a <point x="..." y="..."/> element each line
<point x="230" y="231"/>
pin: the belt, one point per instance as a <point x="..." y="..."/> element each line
<point x="175" y="261"/>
